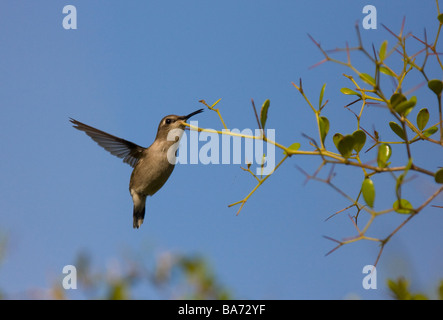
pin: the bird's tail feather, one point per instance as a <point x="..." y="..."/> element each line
<point x="139" y="208"/>
<point x="139" y="215"/>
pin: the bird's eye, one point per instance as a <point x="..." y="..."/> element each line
<point x="168" y="121"/>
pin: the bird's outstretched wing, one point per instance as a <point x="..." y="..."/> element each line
<point x="128" y="151"/>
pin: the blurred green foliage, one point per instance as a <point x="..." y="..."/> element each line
<point x="170" y="276"/>
<point x="400" y="290"/>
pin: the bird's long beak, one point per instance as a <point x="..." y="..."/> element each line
<point x="191" y="114"/>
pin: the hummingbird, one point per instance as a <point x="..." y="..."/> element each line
<point x="152" y="165"/>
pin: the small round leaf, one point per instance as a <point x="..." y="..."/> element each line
<point x="439" y="176"/>
<point x="336" y="139"/>
<point x="264" y="113"/>
<point x="322" y="92"/>
<point x="396" y="99"/>
<point x="368" y="79"/>
<point x="368" y="192"/>
<point x="436" y="86"/>
<point x="324" y="127"/>
<point x="383" y="50"/>
<point x="397" y="130"/>
<point x="384" y="153"/>
<point x="430" y="131"/>
<point x="346" y="145"/>
<point x="422" y="118"/>
<point x="295" y="146"/>
<point x="404" y="107"/>
<point x="403" y="206"/>
<point x="349" y="91"/>
<point x="359" y="140"/>
<point x="387" y="71"/>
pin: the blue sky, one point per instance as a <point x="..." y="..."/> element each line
<point x="130" y="63"/>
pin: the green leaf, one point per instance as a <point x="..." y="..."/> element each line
<point x="324" y="127"/>
<point x="383" y="50"/>
<point x="399" y="289"/>
<point x="397" y="98"/>
<point x="295" y="146"/>
<point x="359" y="140"/>
<point x="367" y="78"/>
<point x="397" y="130"/>
<point x="322" y="92"/>
<point x="403" y="206"/>
<point x="430" y="131"/>
<point x="422" y="118"/>
<point x="440" y="290"/>
<point x="264" y="113"/>
<point x="336" y="139"/>
<point x="368" y="192"/>
<point x="346" y="145"/>
<point x="401" y="177"/>
<point x="419" y="296"/>
<point x="438" y="176"/>
<point x="436" y="86"/>
<point x="404" y="107"/>
<point x="384" y="153"/>
<point x="349" y="91"/>
<point x="387" y="71"/>
<point x="118" y="291"/>
<point x="440" y="17"/>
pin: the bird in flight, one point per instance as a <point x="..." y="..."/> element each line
<point x="152" y="165"/>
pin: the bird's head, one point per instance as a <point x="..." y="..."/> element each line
<point x="173" y="123"/>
